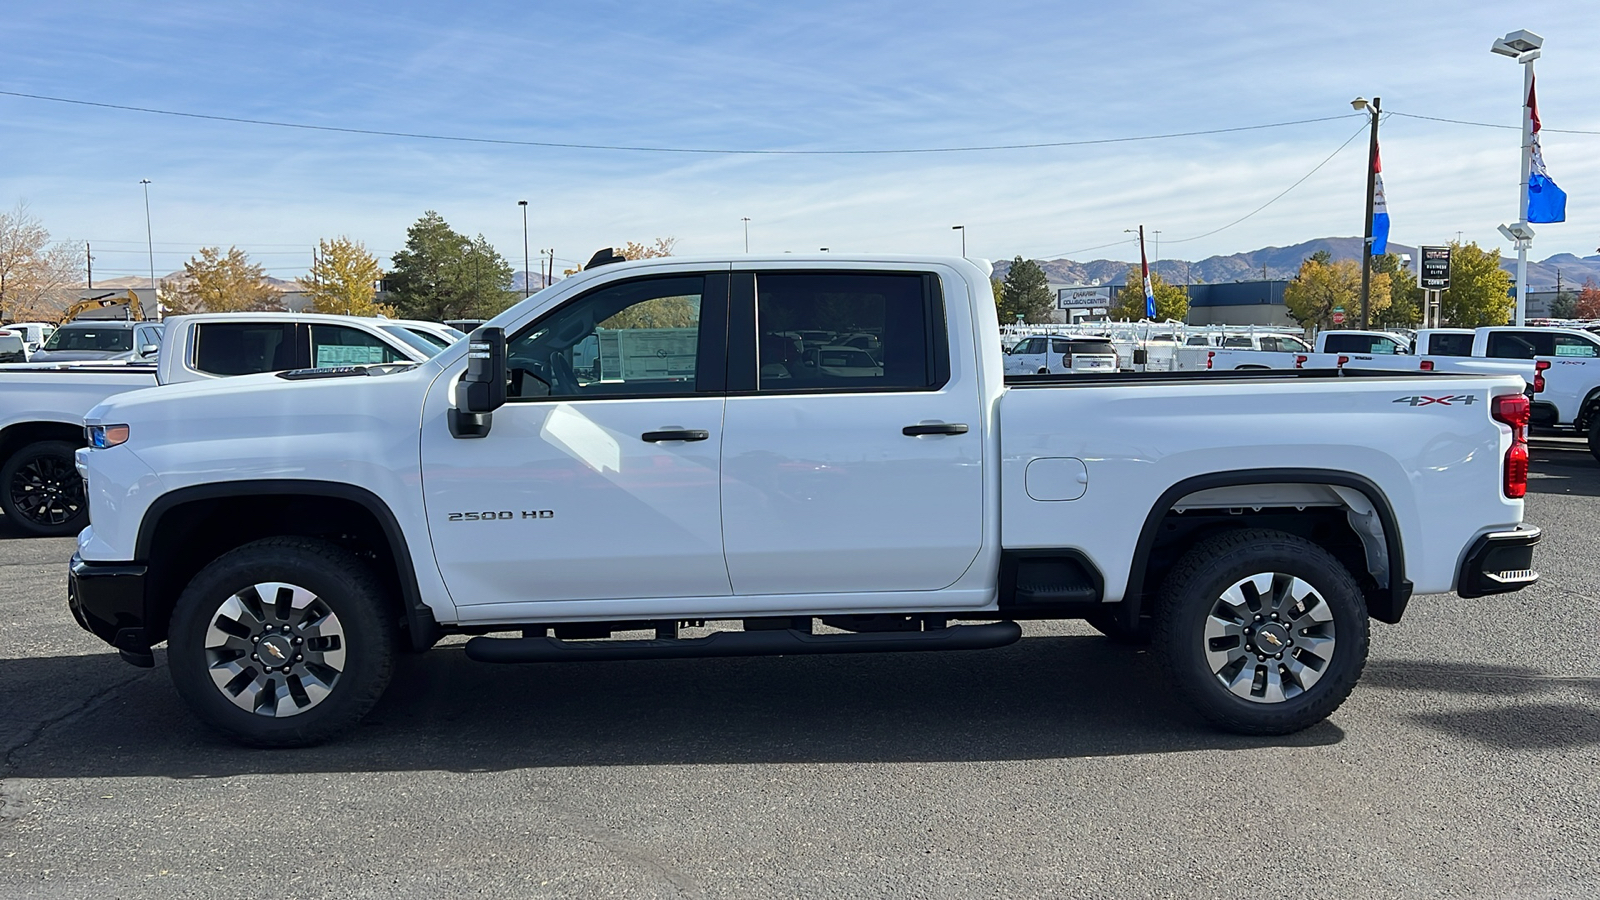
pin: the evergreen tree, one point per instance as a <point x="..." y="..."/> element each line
<point x="1026" y="293"/>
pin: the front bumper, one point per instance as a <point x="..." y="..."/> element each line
<point x="107" y="599"/>
<point x="1498" y="563"/>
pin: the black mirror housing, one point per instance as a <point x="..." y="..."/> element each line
<point x="482" y="388"/>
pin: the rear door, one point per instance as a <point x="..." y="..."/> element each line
<point x="838" y="482"/>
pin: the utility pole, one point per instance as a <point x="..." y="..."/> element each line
<point x="88" y="257"/>
<point x="1372" y="185"/>
<point x="527" y="289"/>
<point x="148" y="243"/>
<point x="1522" y="46"/>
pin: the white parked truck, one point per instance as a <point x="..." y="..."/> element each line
<point x="42" y="405"/>
<point x="284" y="534"/>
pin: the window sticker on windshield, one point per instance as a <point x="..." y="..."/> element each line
<point x="342" y="355"/>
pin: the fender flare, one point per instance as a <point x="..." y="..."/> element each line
<point x="1389" y="606"/>
<point x="424" y="628"/>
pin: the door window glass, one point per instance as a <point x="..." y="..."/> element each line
<point x="1571" y="345"/>
<point x="1512" y="345"/>
<point x="821" y="309"/>
<point x="1450" y="344"/>
<point x="243" y="348"/>
<point x="637" y="338"/>
<point x="340" y="345"/>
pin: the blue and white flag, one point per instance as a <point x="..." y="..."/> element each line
<point x="1149" y="293"/>
<point x="1546" y="202"/>
<point x="1380" y="209"/>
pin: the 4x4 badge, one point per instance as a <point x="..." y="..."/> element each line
<point x="1463" y="399"/>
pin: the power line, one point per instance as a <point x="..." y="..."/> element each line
<point x="1487" y="124"/>
<point x="645" y="149"/>
<point x="1247" y="215"/>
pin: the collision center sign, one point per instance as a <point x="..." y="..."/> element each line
<point x="1085" y="297"/>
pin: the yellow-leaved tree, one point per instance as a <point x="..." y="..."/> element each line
<point x="221" y="282"/>
<point x="1325" y="287"/>
<point x="344" y="280"/>
<point x="1172" y="301"/>
<point x="662" y="312"/>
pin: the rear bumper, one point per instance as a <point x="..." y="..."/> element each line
<point x="1499" y="563"/>
<point x="107" y="599"/>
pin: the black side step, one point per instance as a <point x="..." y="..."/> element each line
<point x="775" y="642"/>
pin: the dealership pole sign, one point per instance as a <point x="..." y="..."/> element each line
<point x="1434" y="272"/>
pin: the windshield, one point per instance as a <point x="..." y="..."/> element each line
<point x="91" y="338"/>
<point x="420" y="342"/>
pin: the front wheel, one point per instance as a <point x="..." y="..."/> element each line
<point x="1261" y="631"/>
<point x="41" y="492"/>
<point x="283" y="642"/>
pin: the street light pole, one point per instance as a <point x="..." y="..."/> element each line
<point x="149" y="244"/>
<point x="963" y="230"/>
<point x="526" y="288"/>
<point x="1372" y="186"/>
<point x="1522" y="46"/>
<point x="746" y="221"/>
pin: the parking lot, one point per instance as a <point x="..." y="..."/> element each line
<point x="1465" y="764"/>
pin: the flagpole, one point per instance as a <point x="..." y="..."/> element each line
<point x="1522" y="206"/>
<point x="1366" y="243"/>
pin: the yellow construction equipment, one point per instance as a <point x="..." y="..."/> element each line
<point x="135" y="311"/>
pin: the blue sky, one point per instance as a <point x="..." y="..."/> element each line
<point x="806" y="76"/>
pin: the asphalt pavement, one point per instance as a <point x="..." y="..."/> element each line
<point x="1466" y="764"/>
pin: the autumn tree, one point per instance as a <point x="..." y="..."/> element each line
<point x="1400" y="302"/>
<point x="660" y="247"/>
<point x="1320" y="289"/>
<point x="442" y="274"/>
<point x="1025" y="293"/>
<point x="35" y="273"/>
<point x="344" y="280"/>
<point x="660" y="312"/>
<point x="215" y="281"/>
<point x="1479" y="291"/>
<point x="1588" y="301"/>
<point x="1172" y="301"/>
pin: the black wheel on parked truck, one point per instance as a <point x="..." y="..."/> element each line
<point x="283" y="642"/>
<point x="1594" y="437"/>
<point x="1263" y="632"/>
<point x="41" y="492"/>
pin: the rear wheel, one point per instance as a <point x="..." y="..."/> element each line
<point x="283" y="642"/>
<point x="41" y="492"/>
<point x="1261" y="631"/>
<point x="1594" y="437"/>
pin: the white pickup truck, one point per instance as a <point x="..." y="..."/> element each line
<point x="561" y="493"/>
<point x="1060" y="354"/>
<point x="1562" y="365"/>
<point x="42" y="405"/>
<point x="1336" y="349"/>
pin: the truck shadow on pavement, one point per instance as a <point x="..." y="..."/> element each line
<point x="1537" y="725"/>
<point x="1562" y="471"/>
<point x="1046" y="697"/>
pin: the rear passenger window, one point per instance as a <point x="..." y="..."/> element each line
<point x="1450" y="344"/>
<point x="243" y="348"/>
<point x="1570" y="345"/>
<point x="802" y="319"/>
<point x="340" y="345"/>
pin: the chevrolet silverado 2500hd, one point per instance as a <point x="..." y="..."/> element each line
<point x="42" y="405"/>
<point x="648" y="447"/>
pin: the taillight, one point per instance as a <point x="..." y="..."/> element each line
<point x="1343" y="360"/>
<point x="1210" y="354"/>
<point x="1538" y="375"/>
<point x="1299" y="361"/>
<point x="1515" y="410"/>
<point x="1427" y="365"/>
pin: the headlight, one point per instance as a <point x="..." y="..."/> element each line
<point x="104" y="436"/>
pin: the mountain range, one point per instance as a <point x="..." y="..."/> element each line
<point x="1281" y="263"/>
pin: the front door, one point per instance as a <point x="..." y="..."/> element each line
<point x="844" y="473"/>
<point x="599" y="477"/>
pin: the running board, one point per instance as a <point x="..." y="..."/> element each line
<point x="776" y="642"/>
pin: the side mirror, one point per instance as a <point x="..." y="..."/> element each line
<point x="482" y="388"/>
<point x="149" y="349"/>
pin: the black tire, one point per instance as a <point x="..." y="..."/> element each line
<point x="361" y="619"/>
<point x="41" y="492"/>
<point x="1194" y="590"/>
<point x="1109" y="623"/>
<point x="1594" y="438"/>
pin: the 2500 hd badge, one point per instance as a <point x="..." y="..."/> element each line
<point x="502" y="515"/>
